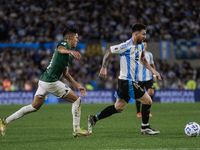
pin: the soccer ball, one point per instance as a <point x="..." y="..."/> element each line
<point x="192" y="129"/>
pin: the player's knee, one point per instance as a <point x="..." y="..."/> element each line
<point x="147" y="102"/>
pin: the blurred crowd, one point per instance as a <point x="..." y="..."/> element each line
<point x="177" y="76"/>
<point x="108" y="20"/>
<point x="20" y="69"/>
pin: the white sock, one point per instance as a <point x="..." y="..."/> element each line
<point x="145" y="124"/>
<point x="20" y="113"/>
<point x="76" y="113"/>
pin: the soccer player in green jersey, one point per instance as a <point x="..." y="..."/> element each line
<point x="49" y="84"/>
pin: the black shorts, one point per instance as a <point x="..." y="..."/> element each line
<point x="128" y="89"/>
<point x="146" y="84"/>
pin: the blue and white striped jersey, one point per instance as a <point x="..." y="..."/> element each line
<point x="129" y="59"/>
<point x="144" y="73"/>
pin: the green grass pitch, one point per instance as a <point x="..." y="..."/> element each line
<point x="51" y="128"/>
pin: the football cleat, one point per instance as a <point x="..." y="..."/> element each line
<point x="3" y="126"/>
<point x="139" y="114"/>
<point x="150" y="115"/>
<point x="148" y="130"/>
<point x="81" y="132"/>
<point x="91" y="123"/>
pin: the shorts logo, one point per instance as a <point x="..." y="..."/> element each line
<point x="136" y="86"/>
<point x="141" y="89"/>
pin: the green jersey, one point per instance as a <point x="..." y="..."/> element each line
<point x="57" y="65"/>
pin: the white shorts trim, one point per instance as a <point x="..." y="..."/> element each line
<point x="57" y="88"/>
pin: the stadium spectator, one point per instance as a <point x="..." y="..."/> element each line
<point x="188" y="52"/>
<point x="197" y="52"/>
<point x="94" y="82"/>
<point x="6" y="84"/>
<point x="27" y="86"/>
<point x="182" y="86"/>
<point x="191" y="84"/>
<point x="179" y="52"/>
<point x="175" y="83"/>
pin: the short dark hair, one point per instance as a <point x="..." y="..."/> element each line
<point x="138" y="27"/>
<point x="68" y="30"/>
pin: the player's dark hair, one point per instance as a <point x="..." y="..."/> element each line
<point x="68" y="30"/>
<point x="138" y="27"/>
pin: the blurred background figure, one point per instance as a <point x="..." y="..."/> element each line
<point x="191" y="84"/>
<point x="27" y="86"/>
<point x="34" y="22"/>
<point x="6" y="84"/>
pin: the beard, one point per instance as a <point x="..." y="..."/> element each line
<point x="139" y="41"/>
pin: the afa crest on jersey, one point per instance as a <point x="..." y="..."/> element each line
<point x="136" y="50"/>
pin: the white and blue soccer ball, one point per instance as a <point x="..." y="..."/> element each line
<point x="192" y="129"/>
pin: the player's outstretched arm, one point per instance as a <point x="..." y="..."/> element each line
<point x="145" y="63"/>
<point x="63" y="50"/>
<point x="68" y="77"/>
<point x="103" y="71"/>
